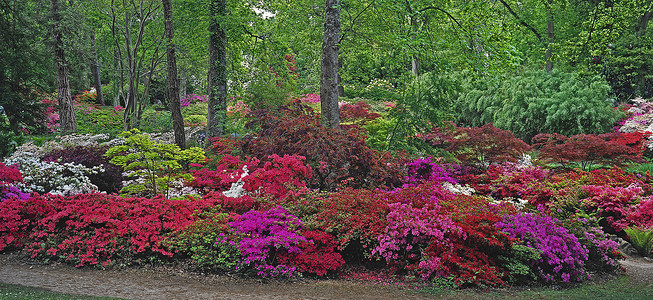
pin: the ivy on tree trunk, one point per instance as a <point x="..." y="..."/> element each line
<point x="217" y="76"/>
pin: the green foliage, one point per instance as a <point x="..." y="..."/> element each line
<point x="154" y="120"/>
<point x="641" y="238"/>
<point x="157" y="163"/>
<point x="629" y="68"/>
<point x="539" y="102"/>
<point x="201" y="241"/>
<point x="102" y="120"/>
<point x="8" y="140"/>
<point x="425" y="103"/>
<point x="518" y="262"/>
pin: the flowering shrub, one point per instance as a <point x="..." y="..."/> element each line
<point x="318" y="255"/>
<point x="421" y="170"/>
<point x="110" y="180"/>
<point x="409" y="231"/>
<point x="52" y="177"/>
<point x="10" y="176"/>
<point x="562" y="256"/>
<point x="310" y="98"/>
<point x="267" y="234"/>
<point x="354" y="216"/>
<point x="611" y="203"/>
<point x="86" y="96"/>
<point x="51" y="114"/>
<point x="89" y="229"/>
<point x="19" y="217"/>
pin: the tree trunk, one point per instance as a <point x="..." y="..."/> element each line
<point x="173" y="84"/>
<point x="330" y="112"/>
<point x="549" y="23"/>
<point x="643" y="23"/>
<point x="95" y="69"/>
<point x="217" y="76"/>
<point x="66" y="111"/>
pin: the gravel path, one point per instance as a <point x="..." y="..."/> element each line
<point x="145" y="284"/>
<point x="148" y="284"/>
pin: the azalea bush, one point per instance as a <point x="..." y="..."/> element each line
<point x="266" y="235"/>
<point x="65" y="178"/>
<point x="109" y="180"/>
<point x="562" y="256"/>
<point x="90" y="229"/>
<point x="9" y="177"/>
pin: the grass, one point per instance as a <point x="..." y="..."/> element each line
<point x="12" y="291"/>
<point x="619" y="288"/>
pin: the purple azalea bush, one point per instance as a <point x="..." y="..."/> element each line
<point x="266" y="234"/>
<point x="562" y="255"/>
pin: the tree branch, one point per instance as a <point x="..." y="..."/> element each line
<point x="522" y="22"/>
<point x="448" y="15"/>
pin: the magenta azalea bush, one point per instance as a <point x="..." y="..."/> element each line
<point x="267" y="234"/>
<point x="562" y="256"/>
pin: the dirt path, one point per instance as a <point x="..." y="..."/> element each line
<point x="148" y="284"/>
<point x="135" y="284"/>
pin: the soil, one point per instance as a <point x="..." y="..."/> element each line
<point x="177" y="284"/>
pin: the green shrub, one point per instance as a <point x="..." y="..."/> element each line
<point x="538" y="102"/>
<point x="425" y="103"/>
<point x="103" y="120"/>
<point x="8" y="140"/>
<point x="202" y="242"/>
<point x="155" y="166"/>
<point x="156" y="120"/>
<point x="641" y="238"/>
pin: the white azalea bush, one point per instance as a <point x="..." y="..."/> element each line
<point x="53" y="177"/>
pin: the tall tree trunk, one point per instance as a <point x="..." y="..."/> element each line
<point x="95" y="69"/>
<point x="330" y="112"/>
<point x="217" y="76"/>
<point x="66" y="111"/>
<point x="549" y="23"/>
<point x="643" y="23"/>
<point x="173" y="84"/>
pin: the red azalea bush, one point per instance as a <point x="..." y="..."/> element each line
<point x="353" y="215"/>
<point x="9" y="177"/>
<point x="611" y="204"/>
<point x="89" y="229"/>
<point x="19" y="217"/>
<point x="319" y="255"/>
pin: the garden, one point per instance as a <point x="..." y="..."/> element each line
<point x="450" y="147"/>
<point x="297" y="199"/>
